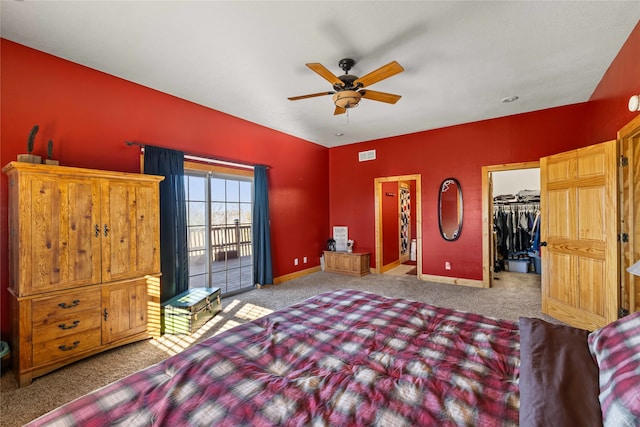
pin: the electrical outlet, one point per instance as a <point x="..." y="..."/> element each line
<point x="447" y="265"/>
<point x="295" y="261"/>
<point x="304" y="260"/>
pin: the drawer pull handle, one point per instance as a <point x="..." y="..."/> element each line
<point x="73" y="304"/>
<point x="63" y="347"/>
<point x="63" y="326"/>
<point x="106" y="314"/>
<point x="106" y="230"/>
<point x="97" y="230"/>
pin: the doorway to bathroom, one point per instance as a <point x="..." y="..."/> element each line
<point x="398" y="234"/>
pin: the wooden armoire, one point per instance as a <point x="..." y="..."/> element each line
<point x="84" y="263"/>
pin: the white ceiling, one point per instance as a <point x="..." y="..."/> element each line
<point x="246" y="58"/>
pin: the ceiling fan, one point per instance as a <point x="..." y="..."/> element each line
<point x="348" y="89"/>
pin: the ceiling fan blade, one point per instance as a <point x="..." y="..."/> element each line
<point x="325" y="73"/>
<point x="389" y="98"/>
<point x="386" y="71"/>
<point x="339" y="110"/>
<point x="311" y="95"/>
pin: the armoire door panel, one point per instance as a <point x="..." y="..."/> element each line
<point x="125" y="310"/>
<point x="48" y="237"/>
<point x="62" y="235"/>
<point x="147" y="219"/>
<point x="117" y="199"/>
<point x="84" y="242"/>
<point x="131" y="242"/>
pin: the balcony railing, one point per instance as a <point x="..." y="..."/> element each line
<point x="227" y="241"/>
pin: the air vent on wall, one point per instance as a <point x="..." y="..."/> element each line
<point x="363" y="156"/>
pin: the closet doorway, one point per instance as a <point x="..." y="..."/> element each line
<point x="511" y="204"/>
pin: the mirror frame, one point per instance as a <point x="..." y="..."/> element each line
<point x="446" y="184"/>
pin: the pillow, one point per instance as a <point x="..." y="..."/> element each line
<point x="558" y="376"/>
<point x="616" y="349"/>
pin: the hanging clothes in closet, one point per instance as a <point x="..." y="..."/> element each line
<point x="516" y="230"/>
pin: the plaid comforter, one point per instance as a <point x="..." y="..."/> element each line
<point x="344" y="358"/>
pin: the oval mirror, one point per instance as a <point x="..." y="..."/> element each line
<point x="450" y="209"/>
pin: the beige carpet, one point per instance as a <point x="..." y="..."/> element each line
<point x="20" y="405"/>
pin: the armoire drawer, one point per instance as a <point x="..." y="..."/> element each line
<point x="67" y="324"/>
<point x="67" y="346"/>
<point x="49" y="309"/>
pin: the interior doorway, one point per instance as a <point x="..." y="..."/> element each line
<point x="399" y="241"/>
<point x="506" y="245"/>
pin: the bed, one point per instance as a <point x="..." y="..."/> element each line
<point x="352" y="358"/>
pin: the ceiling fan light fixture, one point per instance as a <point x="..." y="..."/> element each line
<point x="347" y="98"/>
<point x="348" y="89"/>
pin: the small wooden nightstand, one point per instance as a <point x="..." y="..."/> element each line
<point x="351" y="263"/>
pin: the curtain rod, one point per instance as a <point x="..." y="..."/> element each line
<point x="191" y="156"/>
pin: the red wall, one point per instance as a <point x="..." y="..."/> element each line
<point x="89" y="115"/>
<point x="461" y="151"/>
<point x="610" y="99"/>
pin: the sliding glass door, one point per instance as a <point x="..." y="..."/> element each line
<point x="219" y="208"/>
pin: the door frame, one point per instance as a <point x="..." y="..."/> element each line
<point x="487" y="214"/>
<point x="208" y="172"/>
<point x="404" y="185"/>
<point x="377" y="184"/>
<point x="629" y="192"/>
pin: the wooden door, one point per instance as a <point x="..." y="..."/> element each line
<point x="129" y="229"/>
<point x="629" y="140"/>
<point x="579" y="225"/>
<point x="60" y="217"/>
<point x="125" y="309"/>
<point x="147" y="219"/>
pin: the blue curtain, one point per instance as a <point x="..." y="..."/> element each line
<point x="262" y="270"/>
<point x="174" y="260"/>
